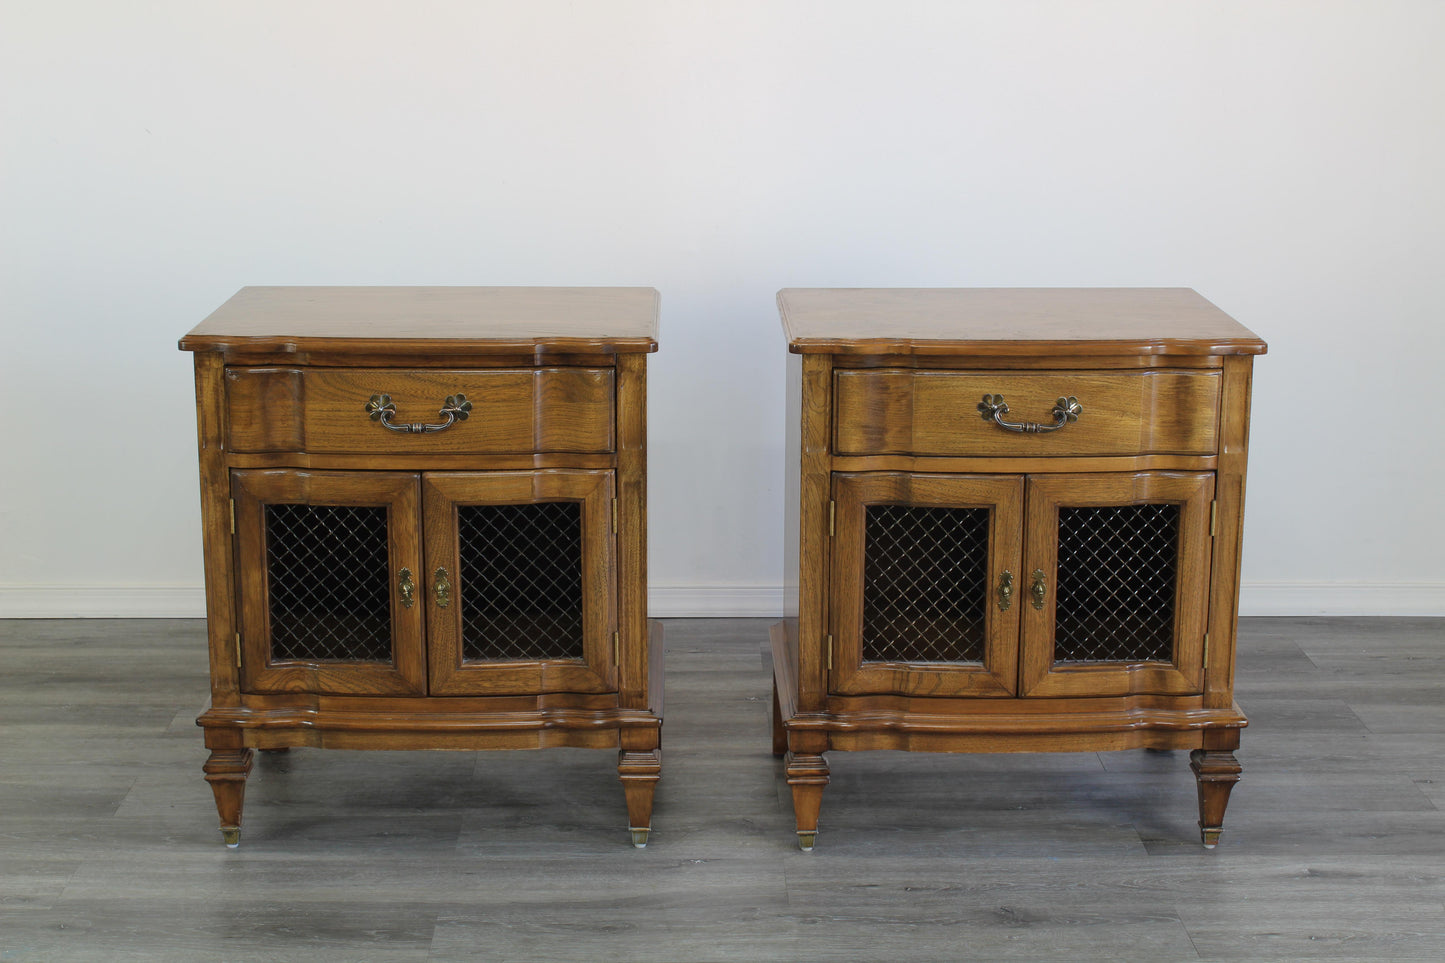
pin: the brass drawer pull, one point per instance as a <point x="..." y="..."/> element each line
<point x="1039" y="590"/>
<point x="454" y="409"/>
<point x="1066" y="411"/>
<point x="1005" y="590"/>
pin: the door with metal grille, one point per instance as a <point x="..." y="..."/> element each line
<point x="520" y="581"/>
<point x="329" y="564"/>
<point x="925" y="583"/>
<point x="1116" y="587"/>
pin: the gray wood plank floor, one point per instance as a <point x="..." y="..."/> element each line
<point x="1334" y="845"/>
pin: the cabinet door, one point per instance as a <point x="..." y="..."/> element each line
<point x="1115" y="593"/>
<point x="328" y="566"/>
<point x="521" y="581"/>
<point x="925" y="583"/>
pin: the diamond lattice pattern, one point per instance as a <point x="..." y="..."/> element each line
<point x="925" y="578"/>
<point x="328" y="581"/>
<point x="521" y="581"/>
<point x="1117" y="575"/>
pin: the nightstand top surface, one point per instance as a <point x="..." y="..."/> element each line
<point x="1009" y="321"/>
<point x="475" y="320"/>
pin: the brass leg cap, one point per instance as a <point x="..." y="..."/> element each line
<point x="639" y="837"/>
<point x="232" y="836"/>
<point x="807" y="840"/>
<point x="1210" y="837"/>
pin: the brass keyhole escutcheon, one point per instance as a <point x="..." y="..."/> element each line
<point x="1039" y="588"/>
<point x="442" y="587"/>
<point x="1005" y="590"/>
<point x="407" y="588"/>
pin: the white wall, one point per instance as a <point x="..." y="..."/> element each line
<point x="1284" y="158"/>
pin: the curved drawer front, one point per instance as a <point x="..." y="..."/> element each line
<point x="895" y="411"/>
<point x="324" y="410"/>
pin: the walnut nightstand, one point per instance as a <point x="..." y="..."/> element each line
<point x="425" y="525"/>
<point x="1014" y="523"/>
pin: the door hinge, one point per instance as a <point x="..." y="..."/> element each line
<point x="614" y="516"/>
<point x="1213" y="514"/>
<point x="832" y="517"/>
<point x="616" y="645"/>
<point x="238" y="649"/>
<point x="830" y="653"/>
<point x="1206" y="650"/>
<point x="233" y="516"/>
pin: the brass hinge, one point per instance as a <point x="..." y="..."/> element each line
<point x="233" y="516"/>
<point x="830" y="653"/>
<point x="616" y="644"/>
<point x="1213" y="513"/>
<point x="238" y="647"/>
<point x="614" y="516"/>
<point x="1206" y="650"/>
<point x="832" y="517"/>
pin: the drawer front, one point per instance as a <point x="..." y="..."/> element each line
<point x="325" y="410"/>
<point x="892" y="411"/>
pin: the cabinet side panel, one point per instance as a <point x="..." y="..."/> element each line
<point x="632" y="652"/>
<point x="1229" y="529"/>
<point x="814" y="494"/>
<point x="216" y="528"/>
<point x="792" y="463"/>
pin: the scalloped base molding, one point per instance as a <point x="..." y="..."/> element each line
<point x="718" y="601"/>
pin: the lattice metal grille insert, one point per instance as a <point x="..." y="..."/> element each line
<point x="1117" y="580"/>
<point x="328" y="582"/>
<point x="925" y="583"/>
<point x="521" y="581"/>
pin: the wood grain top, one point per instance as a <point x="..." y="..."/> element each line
<point x="471" y="320"/>
<point x="1009" y="321"/>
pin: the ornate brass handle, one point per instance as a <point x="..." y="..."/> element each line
<point x="442" y="588"/>
<point x="1005" y="590"/>
<point x="407" y="588"/>
<point x="454" y="409"/>
<point x="1039" y="588"/>
<point x="1066" y="411"/>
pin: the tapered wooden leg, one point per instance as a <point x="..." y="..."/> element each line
<point x="226" y="770"/>
<point x="639" y="771"/>
<point x="1215" y="773"/>
<point x="807" y="775"/>
<point x="780" y="734"/>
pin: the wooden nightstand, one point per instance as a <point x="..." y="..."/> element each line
<point x="1014" y="525"/>
<point x="425" y="525"/>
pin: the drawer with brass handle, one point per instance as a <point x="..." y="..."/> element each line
<point x="889" y="411"/>
<point x="375" y="410"/>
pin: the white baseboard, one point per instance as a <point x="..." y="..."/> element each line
<point x="717" y="601"/>
<point x="714" y="601"/>
<point x="102" y="602"/>
<point x="1342" y="598"/>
